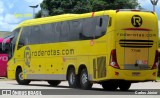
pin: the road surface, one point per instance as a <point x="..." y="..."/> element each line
<point x="39" y="89"/>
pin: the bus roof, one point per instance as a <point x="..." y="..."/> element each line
<point x="64" y="17"/>
<point x="56" y="18"/>
<point x="45" y="19"/>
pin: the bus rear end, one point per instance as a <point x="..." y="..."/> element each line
<point x="3" y="60"/>
<point x="135" y="57"/>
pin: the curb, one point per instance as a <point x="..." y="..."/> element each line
<point x="3" y="78"/>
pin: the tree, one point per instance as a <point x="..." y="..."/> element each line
<point x="38" y="14"/>
<point x="56" y="7"/>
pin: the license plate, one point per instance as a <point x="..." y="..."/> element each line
<point x="145" y="62"/>
<point x="135" y="73"/>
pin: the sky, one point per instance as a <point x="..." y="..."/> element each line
<point x="146" y="4"/>
<point x="13" y="12"/>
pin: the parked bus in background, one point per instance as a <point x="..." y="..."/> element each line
<point x="3" y="59"/>
<point x="159" y="63"/>
<point x="113" y="48"/>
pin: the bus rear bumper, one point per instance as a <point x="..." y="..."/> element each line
<point x="132" y="75"/>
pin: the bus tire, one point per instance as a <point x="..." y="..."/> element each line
<point x="20" y="79"/>
<point x="84" y="81"/>
<point x="110" y="85"/>
<point x="54" y="82"/>
<point x="72" y="78"/>
<point x="124" y="85"/>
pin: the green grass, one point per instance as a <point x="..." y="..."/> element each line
<point x="158" y="78"/>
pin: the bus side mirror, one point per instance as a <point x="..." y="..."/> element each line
<point x="3" y="46"/>
<point x="20" y="45"/>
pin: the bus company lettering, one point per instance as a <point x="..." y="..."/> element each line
<point x="136" y="35"/>
<point x="53" y="52"/>
<point x="27" y="56"/>
<point x="3" y="58"/>
<point x="28" y="53"/>
<point x="136" y="21"/>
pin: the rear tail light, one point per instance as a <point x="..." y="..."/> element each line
<point x="155" y="65"/>
<point x="113" y="59"/>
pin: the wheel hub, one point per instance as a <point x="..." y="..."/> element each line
<point x="72" y="78"/>
<point x="20" y="76"/>
<point x="84" y="78"/>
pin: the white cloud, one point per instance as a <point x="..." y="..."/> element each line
<point x="34" y="2"/>
<point x="144" y="1"/>
<point x="8" y="22"/>
<point x="7" y="27"/>
<point x="146" y="4"/>
<point x="1" y="7"/>
<point x="10" y="18"/>
<point x="158" y="3"/>
<point x="5" y="19"/>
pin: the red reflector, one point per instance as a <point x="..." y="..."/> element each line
<point x="116" y="73"/>
<point x="138" y="29"/>
<point x="155" y="65"/>
<point x="92" y="14"/>
<point x="154" y="74"/>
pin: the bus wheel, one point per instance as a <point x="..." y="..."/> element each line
<point x="54" y="82"/>
<point x="84" y="82"/>
<point x="72" y="79"/>
<point x="124" y="85"/>
<point x="110" y="85"/>
<point x="20" y="79"/>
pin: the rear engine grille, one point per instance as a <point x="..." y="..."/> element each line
<point x="101" y="66"/>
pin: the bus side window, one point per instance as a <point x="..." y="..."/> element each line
<point x="101" y="26"/>
<point x="24" y="37"/>
<point x="88" y="28"/>
<point x="48" y="33"/>
<point x="35" y="37"/>
<point x="57" y="31"/>
<point x="75" y="30"/>
<point x="105" y="24"/>
<point x="100" y="22"/>
<point x="64" y="31"/>
<point x="13" y="43"/>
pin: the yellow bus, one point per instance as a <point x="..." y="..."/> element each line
<point x="113" y="48"/>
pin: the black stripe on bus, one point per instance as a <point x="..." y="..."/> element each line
<point x="136" y="43"/>
<point x="136" y="46"/>
<point x="136" y="40"/>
